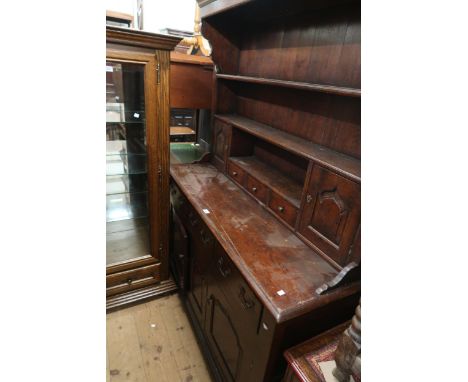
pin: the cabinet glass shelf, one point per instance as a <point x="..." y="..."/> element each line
<point x="119" y="147"/>
<point x="118" y="184"/>
<point x="125" y="164"/>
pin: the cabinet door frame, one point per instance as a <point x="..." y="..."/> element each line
<point x="157" y="148"/>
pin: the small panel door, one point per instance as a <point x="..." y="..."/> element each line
<point x="331" y="213"/>
<point x="220" y="145"/>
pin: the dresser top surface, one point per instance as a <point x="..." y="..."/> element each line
<point x="282" y="270"/>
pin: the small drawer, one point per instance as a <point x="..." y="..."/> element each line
<point x="283" y="209"/>
<point x="257" y="189"/>
<point x="132" y="279"/>
<point x="236" y="173"/>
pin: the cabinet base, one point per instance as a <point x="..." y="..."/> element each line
<point x="140" y="295"/>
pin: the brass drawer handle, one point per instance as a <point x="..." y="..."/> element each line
<point x="245" y="302"/>
<point x="192" y="218"/>
<point x="234" y="173"/>
<point x="129" y="281"/>
<point x="225" y="272"/>
<point x="206" y="239"/>
<point x="281" y="209"/>
<point x="254" y="189"/>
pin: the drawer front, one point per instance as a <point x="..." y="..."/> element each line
<point x="257" y="189"/>
<point x="283" y="209"/>
<point x="331" y="213"/>
<point x="132" y="279"/>
<point x="236" y="173"/>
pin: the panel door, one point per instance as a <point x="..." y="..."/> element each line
<point x="331" y="213"/>
<point x="220" y="144"/>
<point x="223" y="335"/>
<point x="201" y="248"/>
<point x="179" y="251"/>
<point x="232" y="321"/>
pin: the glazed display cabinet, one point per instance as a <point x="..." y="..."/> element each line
<point x="137" y="156"/>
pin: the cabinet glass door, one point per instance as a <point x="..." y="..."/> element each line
<point x="127" y="210"/>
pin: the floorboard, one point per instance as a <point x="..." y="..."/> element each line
<point x="153" y="342"/>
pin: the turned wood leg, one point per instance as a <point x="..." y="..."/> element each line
<point x="349" y="347"/>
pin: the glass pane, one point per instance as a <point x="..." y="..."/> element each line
<point x="127" y="239"/>
<point x="126" y="163"/>
<point x="126" y="206"/>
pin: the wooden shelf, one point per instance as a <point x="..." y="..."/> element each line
<point x="350" y="92"/>
<point x="283" y="185"/>
<point x="339" y="163"/>
<point x="181" y="130"/>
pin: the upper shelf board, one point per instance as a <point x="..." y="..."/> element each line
<point x="337" y="90"/>
<point x="340" y="163"/>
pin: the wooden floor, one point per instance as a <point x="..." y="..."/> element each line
<point x="153" y="342"/>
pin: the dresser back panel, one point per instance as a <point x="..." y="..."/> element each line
<point x="321" y="47"/>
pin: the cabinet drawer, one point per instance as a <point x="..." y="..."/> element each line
<point x="257" y="189"/>
<point x="132" y="279"/>
<point x="283" y="209"/>
<point x="236" y="173"/>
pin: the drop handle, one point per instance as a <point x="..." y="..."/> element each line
<point x="129" y="281"/>
<point x="245" y="302"/>
<point x="281" y="209"/>
<point x="254" y="189"/>
<point x="224" y="270"/>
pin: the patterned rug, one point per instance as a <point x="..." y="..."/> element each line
<point x="324" y="354"/>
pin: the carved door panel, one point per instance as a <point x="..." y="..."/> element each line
<point x="331" y="213"/>
<point x="232" y="319"/>
<point x="221" y="137"/>
<point x="201" y="248"/>
<point x="223" y="336"/>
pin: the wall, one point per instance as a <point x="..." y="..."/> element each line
<point x="158" y="14"/>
